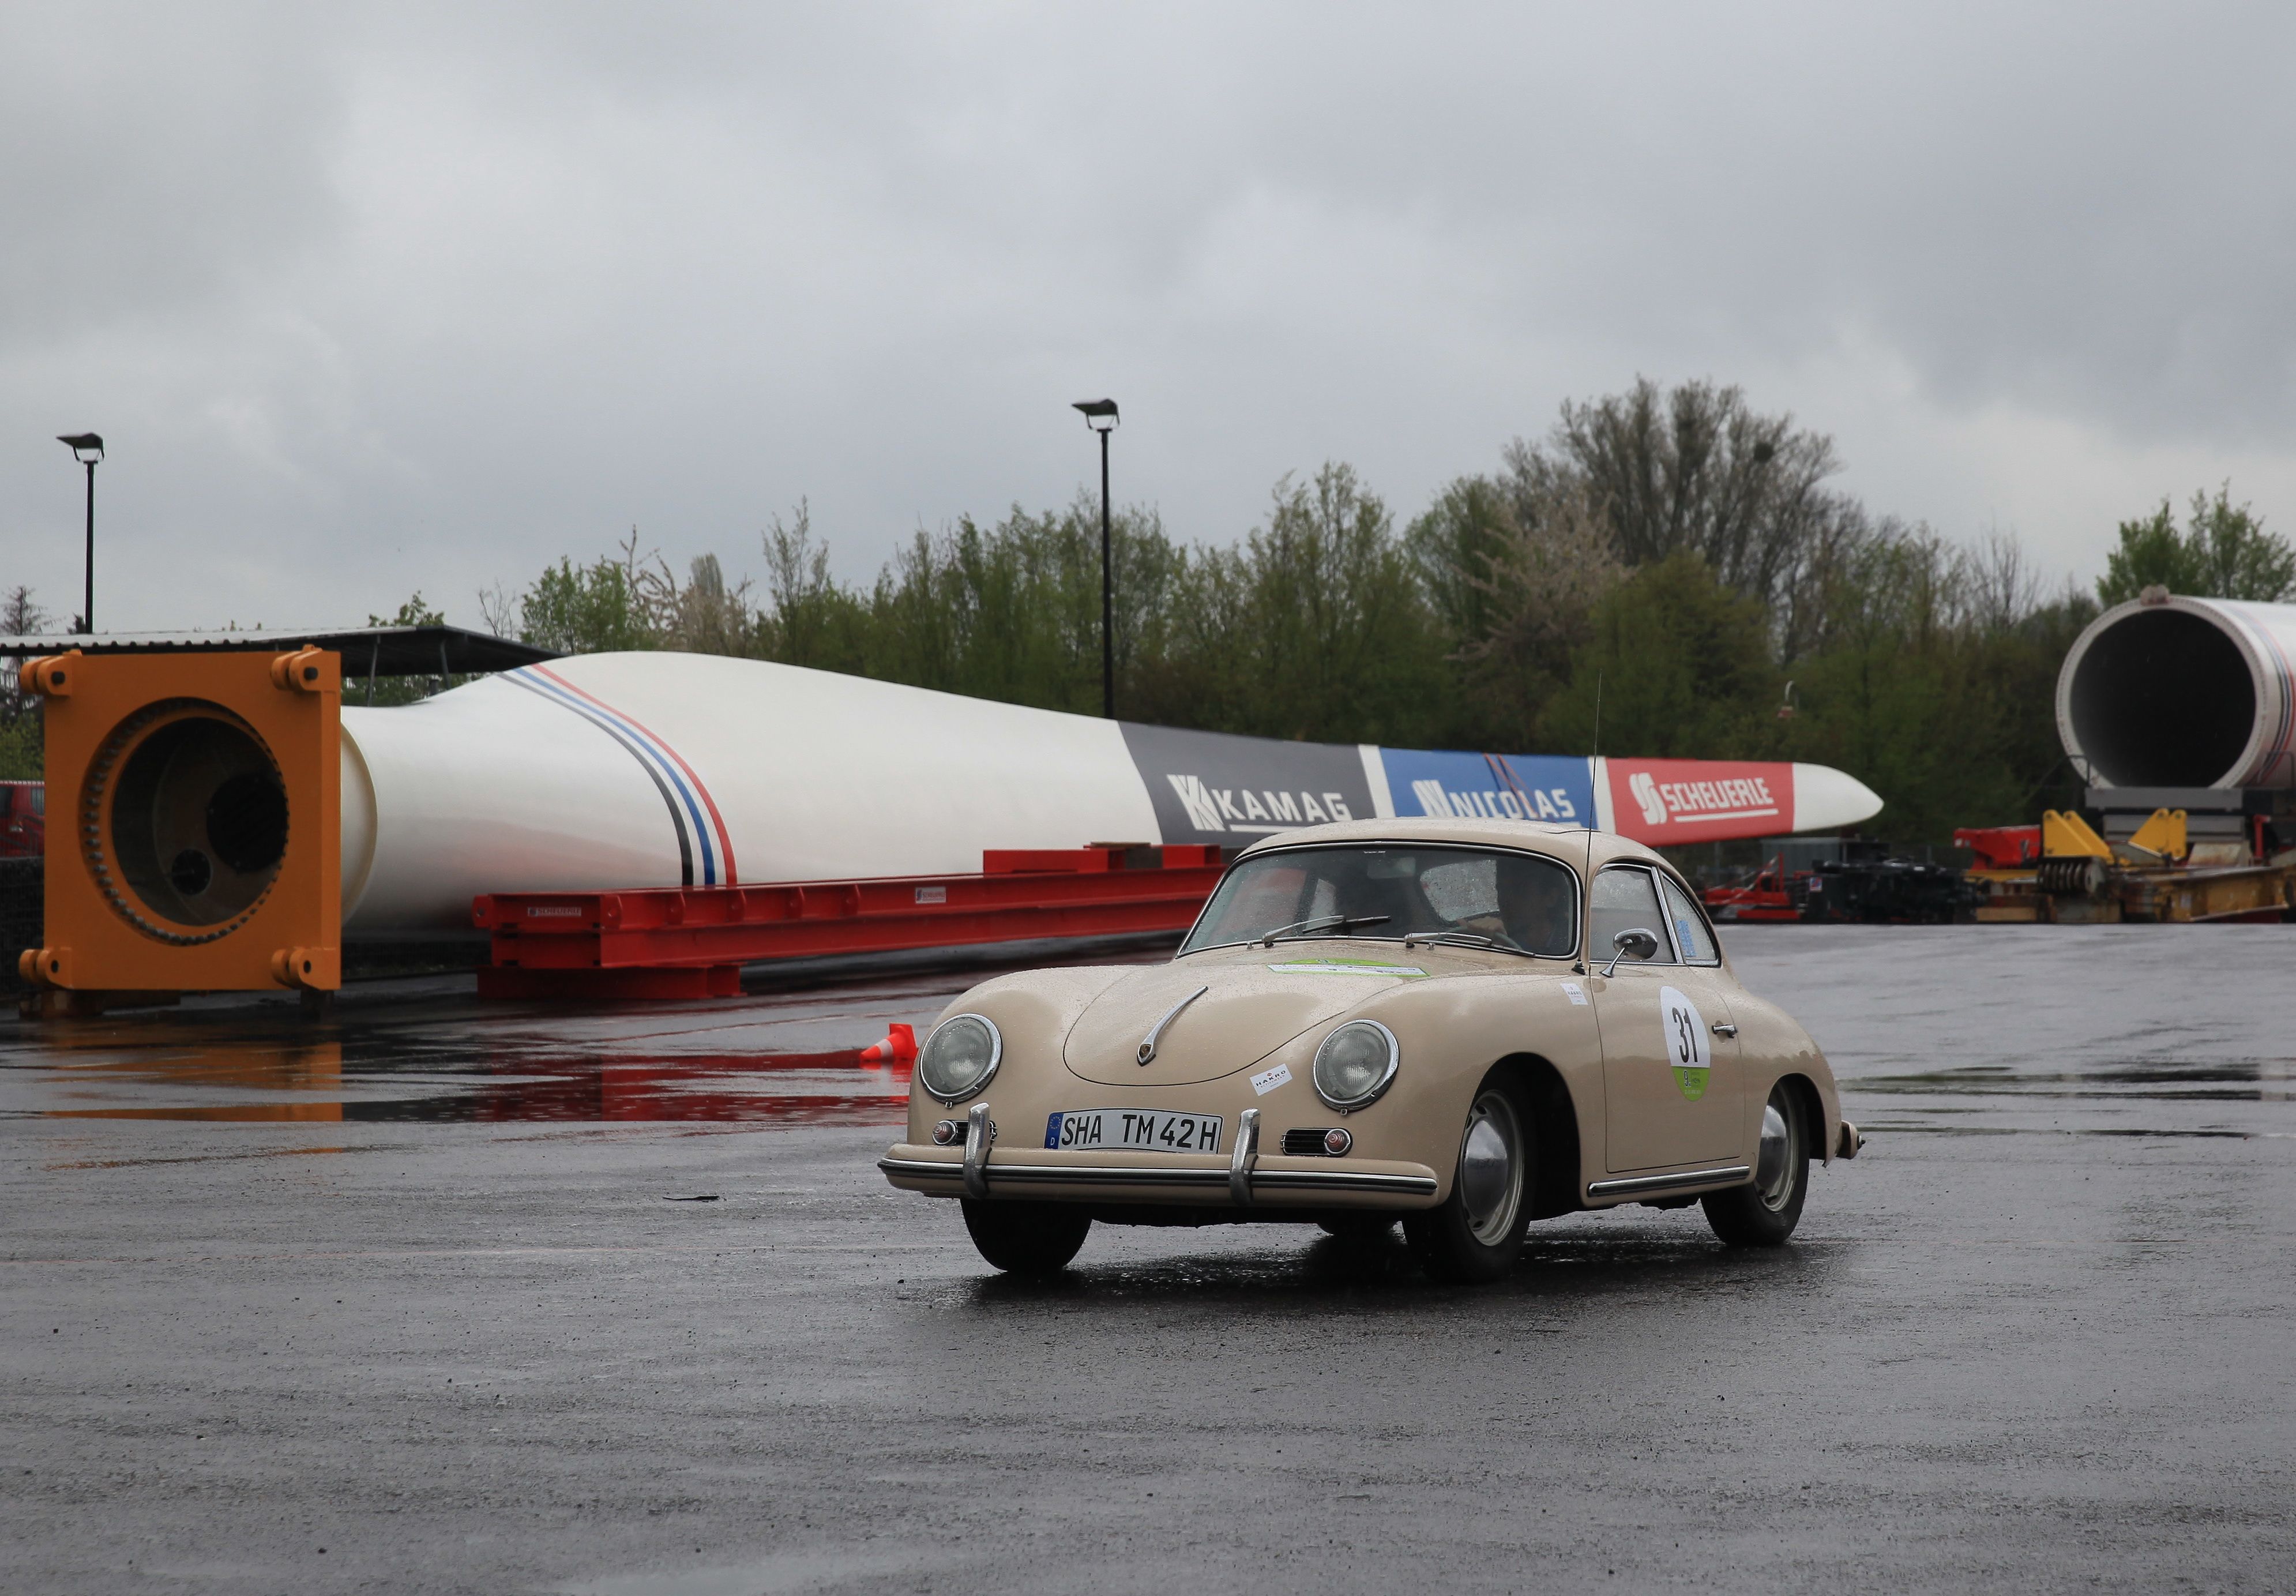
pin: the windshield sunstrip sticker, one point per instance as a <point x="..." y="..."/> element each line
<point x="1348" y="966"/>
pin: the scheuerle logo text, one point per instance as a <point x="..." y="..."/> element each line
<point x="1240" y="809"/>
<point x="1734" y="798"/>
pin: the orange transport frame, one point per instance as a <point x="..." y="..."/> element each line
<point x="124" y="725"/>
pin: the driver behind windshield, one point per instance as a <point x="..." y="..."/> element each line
<point x="1519" y="903"/>
<point x="1535" y="910"/>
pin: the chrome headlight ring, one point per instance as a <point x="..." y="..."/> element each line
<point x="1333" y="1072"/>
<point x="940" y="1052"/>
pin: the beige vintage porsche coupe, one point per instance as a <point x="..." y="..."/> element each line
<point x="1463" y="1025"/>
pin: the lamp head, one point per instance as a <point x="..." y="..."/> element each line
<point x="86" y="448"/>
<point x="1099" y="415"/>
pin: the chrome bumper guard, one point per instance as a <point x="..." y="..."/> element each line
<point x="1240" y="1161"/>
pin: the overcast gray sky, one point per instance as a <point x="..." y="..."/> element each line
<point x="367" y="301"/>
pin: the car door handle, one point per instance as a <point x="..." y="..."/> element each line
<point x="1725" y="1028"/>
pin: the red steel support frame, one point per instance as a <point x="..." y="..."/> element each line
<point x="692" y="942"/>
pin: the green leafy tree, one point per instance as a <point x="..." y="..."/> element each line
<point x="1681" y="664"/>
<point x="586" y="609"/>
<point x="21" y="742"/>
<point x="2223" y="552"/>
<point x="413" y="612"/>
<point x="1316" y="626"/>
<point x="1936" y="684"/>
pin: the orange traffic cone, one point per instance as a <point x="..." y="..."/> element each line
<point x="899" y="1046"/>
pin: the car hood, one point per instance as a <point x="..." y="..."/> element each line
<point x="1253" y="1005"/>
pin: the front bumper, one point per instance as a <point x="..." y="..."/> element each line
<point x="1269" y="1181"/>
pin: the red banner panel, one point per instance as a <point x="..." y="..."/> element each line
<point x="1668" y="801"/>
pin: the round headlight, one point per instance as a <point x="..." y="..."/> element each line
<point x="1355" y="1064"/>
<point x="959" y="1056"/>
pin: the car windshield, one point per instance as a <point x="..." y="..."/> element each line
<point x="1518" y="901"/>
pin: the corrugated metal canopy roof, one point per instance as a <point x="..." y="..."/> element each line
<point x="366" y="650"/>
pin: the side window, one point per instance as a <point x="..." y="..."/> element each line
<point x="1690" y="930"/>
<point x="1625" y="899"/>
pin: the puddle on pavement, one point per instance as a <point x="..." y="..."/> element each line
<point x="2235" y="1080"/>
<point x="833" y="1088"/>
<point x="2212" y="1099"/>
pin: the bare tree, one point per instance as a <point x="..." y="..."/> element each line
<point x="1695" y="468"/>
<point x="1549" y="566"/>
<point x="19" y="616"/>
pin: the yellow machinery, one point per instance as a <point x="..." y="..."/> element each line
<point x="195" y="822"/>
<point x="2157" y="873"/>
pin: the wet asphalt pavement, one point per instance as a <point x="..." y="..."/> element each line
<point x="410" y="1301"/>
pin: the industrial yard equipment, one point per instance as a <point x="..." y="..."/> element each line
<point x="2181" y="713"/>
<point x="2174" y="692"/>
<point x="679" y="774"/>
<point x="199" y="842"/>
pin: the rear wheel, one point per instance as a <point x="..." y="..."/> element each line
<point x="1475" y="1235"/>
<point x="1026" y="1239"/>
<point x="1765" y="1214"/>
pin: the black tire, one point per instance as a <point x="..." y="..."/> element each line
<point x="1764" y="1213"/>
<point x="1358" y="1227"/>
<point x="1474" y="1236"/>
<point x="1026" y="1239"/>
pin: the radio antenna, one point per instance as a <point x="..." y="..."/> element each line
<point x="1593" y="775"/>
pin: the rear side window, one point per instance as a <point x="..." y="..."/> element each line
<point x="1691" y="934"/>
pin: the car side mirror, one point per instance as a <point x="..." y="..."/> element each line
<point x="1634" y="942"/>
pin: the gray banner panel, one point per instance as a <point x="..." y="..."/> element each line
<point x="1209" y="786"/>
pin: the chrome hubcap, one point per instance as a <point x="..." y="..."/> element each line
<point x="1781" y="1155"/>
<point x="1490" y="1169"/>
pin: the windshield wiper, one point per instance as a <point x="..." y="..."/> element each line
<point x="1300" y="929"/>
<point x="1469" y="939"/>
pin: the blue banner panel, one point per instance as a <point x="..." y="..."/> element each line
<point x="1498" y="786"/>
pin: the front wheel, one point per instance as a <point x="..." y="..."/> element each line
<point x="1026" y="1239"/>
<point x="1475" y="1235"/>
<point x="1765" y="1214"/>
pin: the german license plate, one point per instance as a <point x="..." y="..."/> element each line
<point x="1135" y="1129"/>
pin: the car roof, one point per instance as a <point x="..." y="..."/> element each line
<point x="1568" y="844"/>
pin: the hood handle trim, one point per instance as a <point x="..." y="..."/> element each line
<point x="1147" y="1053"/>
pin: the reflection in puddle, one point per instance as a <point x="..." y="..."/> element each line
<point x="2139" y="1099"/>
<point x="817" y="1088"/>
<point x="2235" y="1081"/>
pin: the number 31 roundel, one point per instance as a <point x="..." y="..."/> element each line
<point x="1687" y="1049"/>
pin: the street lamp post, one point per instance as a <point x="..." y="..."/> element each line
<point x="1100" y="416"/>
<point x="86" y="449"/>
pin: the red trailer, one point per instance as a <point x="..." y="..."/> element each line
<point x="1769" y="896"/>
<point x="23" y="820"/>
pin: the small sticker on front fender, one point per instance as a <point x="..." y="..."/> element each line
<point x="1267" y="1081"/>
